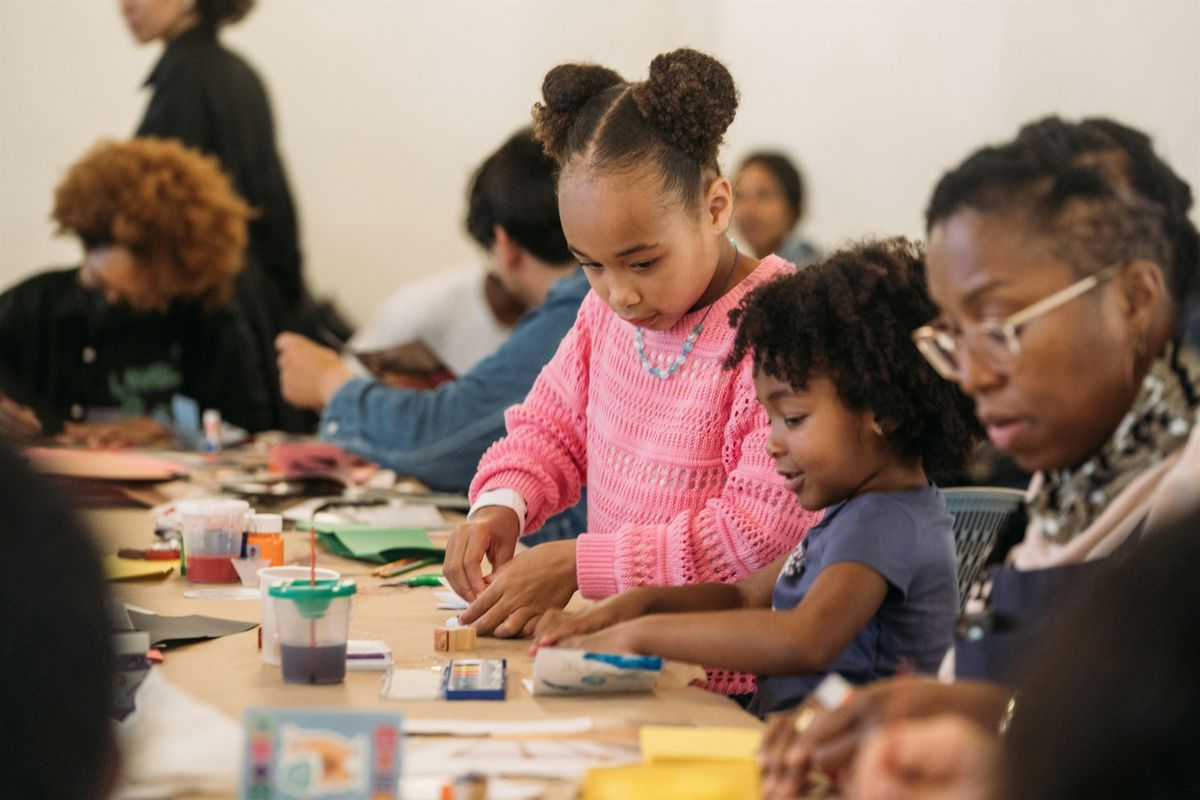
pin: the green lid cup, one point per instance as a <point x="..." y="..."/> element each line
<point x="313" y="624"/>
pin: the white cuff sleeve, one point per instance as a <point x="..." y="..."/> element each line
<point x="507" y="498"/>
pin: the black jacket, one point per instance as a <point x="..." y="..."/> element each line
<point x="71" y="356"/>
<point x="212" y="100"/>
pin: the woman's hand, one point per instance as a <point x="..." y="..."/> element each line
<point x="830" y="739"/>
<point x="944" y="758"/>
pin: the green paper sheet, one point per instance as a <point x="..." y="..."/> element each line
<point x="376" y="545"/>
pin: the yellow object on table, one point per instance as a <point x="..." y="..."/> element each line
<point x="661" y="744"/>
<point x="121" y="569"/>
<point x="695" y="780"/>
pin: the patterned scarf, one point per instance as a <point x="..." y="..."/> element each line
<point x="1156" y="425"/>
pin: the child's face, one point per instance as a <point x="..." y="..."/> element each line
<point x="645" y="255"/>
<point x="825" y="451"/>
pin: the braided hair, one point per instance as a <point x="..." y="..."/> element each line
<point x="674" y="120"/>
<point x="1095" y="191"/>
<point x="849" y="319"/>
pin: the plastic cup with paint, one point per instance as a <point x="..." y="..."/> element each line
<point x="271" y="576"/>
<point x="212" y="534"/>
<point x="314" y="626"/>
<point x="266" y="533"/>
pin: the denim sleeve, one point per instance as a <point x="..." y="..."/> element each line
<point x="438" y="435"/>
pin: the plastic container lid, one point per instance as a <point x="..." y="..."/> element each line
<point x="218" y="507"/>
<point x="312" y="600"/>
<point x="266" y="523"/>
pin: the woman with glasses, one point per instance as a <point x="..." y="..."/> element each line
<point x="1059" y="262"/>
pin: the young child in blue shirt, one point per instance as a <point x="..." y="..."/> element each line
<point x="859" y="423"/>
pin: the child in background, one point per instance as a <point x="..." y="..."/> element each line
<point x="859" y="421"/>
<point x="635" y="403"/>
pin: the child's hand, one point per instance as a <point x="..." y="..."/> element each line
<point x="492" y="531"/>
<point x="558" y="625"/>
<point x="534" y="582"/>
<point x="622" y="638"/>
<point x="18" y="421"/>
<point x="309" y="375"/>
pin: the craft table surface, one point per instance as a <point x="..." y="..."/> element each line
<point x="229" y="674"/>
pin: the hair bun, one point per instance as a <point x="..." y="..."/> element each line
<point x="565" y="91"/>
<point x="691" y="99"/>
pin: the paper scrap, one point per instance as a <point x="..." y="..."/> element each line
<point x="564" y="671"/>
<point x="377" y="545"/>
<point x="368" y="654"/>
<point x="666" y="744"/>
<point x="490" y="727"/>
<point x="173" y="744"/>
<point x="224" y="593"/>
<point x="411" y="684"/>
<point x="105" y="465"/>
<point x="450" y="601"/>
<point x="123" y="569"/>
<point x="180" y="630"/>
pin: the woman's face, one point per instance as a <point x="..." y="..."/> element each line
<point x="157" y="19"/>
<point x="116" y="273"/>
<point x="645" y="255"/>
<point x="1063" y="395"/>
<point x="761" y="211"/>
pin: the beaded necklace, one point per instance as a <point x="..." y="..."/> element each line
<point x="662" y="373"/>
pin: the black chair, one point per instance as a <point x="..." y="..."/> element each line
<point x="980" y="514"/>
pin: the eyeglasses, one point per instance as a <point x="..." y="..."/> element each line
<point x="996" y="344"/>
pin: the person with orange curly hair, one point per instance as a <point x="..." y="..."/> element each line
<point x="98" y="350"/>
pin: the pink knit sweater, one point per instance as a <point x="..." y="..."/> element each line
<point x="680" y="488"/>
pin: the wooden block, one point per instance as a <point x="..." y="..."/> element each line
<point x="462" y="639"/>
<point x="441" y="639"/>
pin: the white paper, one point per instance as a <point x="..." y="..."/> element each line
<point x="491" y="727"/>
<point x="411" y="684"/>
<point x="558" y="671"/>
<point x="223" y="593"/>
<point x="368" y="647"/>
<point x="450" y="601"/>
<point x="510" y="758"/>
<point x="396" y="514"/>
<point x="173" y="744"/>
<point x="429" y="787"/>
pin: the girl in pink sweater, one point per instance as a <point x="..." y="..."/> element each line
<point x="635" y="403"/>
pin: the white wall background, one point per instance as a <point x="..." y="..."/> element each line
<point x="385" y="107"/>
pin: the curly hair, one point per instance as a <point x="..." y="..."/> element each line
<point x="172" y="207"/>
<point x="850" y="318"/>
<point x="674" y="120"/>
<point x="1094" y="190"/>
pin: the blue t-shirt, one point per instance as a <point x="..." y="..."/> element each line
<point x="908" y="538"/>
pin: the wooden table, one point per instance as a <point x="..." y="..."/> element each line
<point x="228" y="673"/>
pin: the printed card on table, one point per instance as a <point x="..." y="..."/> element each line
<point x="561" y="671"/>
<point x="296" y="754"/>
